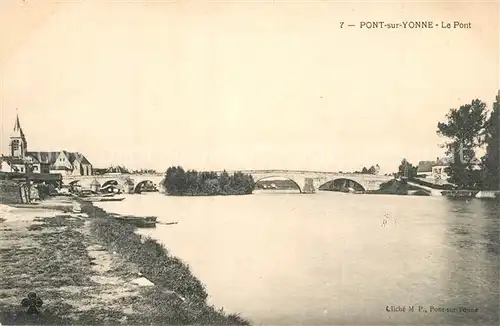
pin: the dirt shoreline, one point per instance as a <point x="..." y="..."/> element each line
<point x="91" y="269"/>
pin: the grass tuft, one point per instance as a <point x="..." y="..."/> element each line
<point x="52" y="259"/>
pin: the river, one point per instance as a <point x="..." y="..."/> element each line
<point x="329" y="258"/>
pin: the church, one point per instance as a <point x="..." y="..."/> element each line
<point x="20" y="159"/>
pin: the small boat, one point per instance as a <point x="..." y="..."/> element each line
<point x="138" y="221"/>
<point x="110" y="190"/>
<point x="92" y="196"/>
<point x="168" y="223"/>
<point x="111" y="198"/>
<point x="103" y="198"/>
<point x="76" y="207"/>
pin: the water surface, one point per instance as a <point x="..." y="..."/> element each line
<point x="329" y="258"/>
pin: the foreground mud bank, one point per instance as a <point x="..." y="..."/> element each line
<point x="91" y="269"/>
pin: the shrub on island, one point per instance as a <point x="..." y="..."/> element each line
<point x="178" y="182"/>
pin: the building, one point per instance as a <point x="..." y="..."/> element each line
<point x="424" y="168"/>
<point x="434" y="170"/>
<point x="21" y="160"/>
<point x="439" y="173"/>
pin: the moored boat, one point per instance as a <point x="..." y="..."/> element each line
<point x="102" y="198"/>
<point x="76" y="207"/>
<point x="92" y="196"/>
<point x="138" y="221"/>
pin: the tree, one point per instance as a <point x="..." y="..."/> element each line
<point x="177" y="182"/>
<point x="365" y="170"/>
<point x="406" y="169"/>
<point x="374" y="169"/>
<point x="465" y="129"/>
<point x="492" y="157"/>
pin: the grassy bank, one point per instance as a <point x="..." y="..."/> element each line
<point x="84" y="268"/>
<point x="48" y="257"/>
<point x="176" y="287"/>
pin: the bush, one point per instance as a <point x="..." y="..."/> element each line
<point x="177" y="182"/>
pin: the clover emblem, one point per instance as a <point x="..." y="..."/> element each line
<point x="33" y="302"/>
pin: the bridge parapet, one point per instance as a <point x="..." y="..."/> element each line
<point x="301" y="178"/>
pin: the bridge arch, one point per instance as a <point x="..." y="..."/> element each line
<point x="278" y="177"/>
<point x="341" y="184"/>
<point x="138" y="186"/>
<point x="110" y="183"/>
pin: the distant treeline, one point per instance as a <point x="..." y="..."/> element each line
<point x="178" y="182"/>
<point x="372" y="170"/>
<point x="123" y="170"/>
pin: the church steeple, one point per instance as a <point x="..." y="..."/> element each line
<point x="18" y="144"/>
<point x="17" y="125"/>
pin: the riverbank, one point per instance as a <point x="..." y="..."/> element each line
<point x="91" y="269"/>
<point x="397" y="187"/>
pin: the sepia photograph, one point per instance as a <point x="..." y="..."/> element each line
<point x="249" y="162"/>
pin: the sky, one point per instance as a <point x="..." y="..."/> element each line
<point x="241" y="85"/>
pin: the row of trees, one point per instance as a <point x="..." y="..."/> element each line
<point x="178" y="182"/>
<point x="467" y="129"/>
<point x="372" y="170"/>
<point x="144" y="171"/>
<point x="123" y="170"/>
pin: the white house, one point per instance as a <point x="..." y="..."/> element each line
<point x="434" y="171"/>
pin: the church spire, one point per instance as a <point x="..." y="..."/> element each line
<point x="18" y="131"/>
<point x="17" y="125"/>
<point x="18" y="144"/>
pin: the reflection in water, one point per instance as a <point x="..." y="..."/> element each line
<point x="326" y="258"/>
<point x="473" y="267"/>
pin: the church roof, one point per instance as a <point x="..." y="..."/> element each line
<point x="51" y="157"/>
<point x="426" y="166"/>
<point x="18" y="131"/>
<point x="44" y="157"/>
<point x="11" y="160"/>
<point x="17" y="160"/>
<point x="76" y="156"/>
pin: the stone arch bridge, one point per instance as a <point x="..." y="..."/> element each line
<point x="306" y="181"/>
<point x="121" y="180"/>
<point x="310" y="181"/>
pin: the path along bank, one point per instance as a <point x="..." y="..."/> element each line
<point x="89" y="268"/>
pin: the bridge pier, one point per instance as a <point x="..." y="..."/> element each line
<point x="308" y="187"/>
